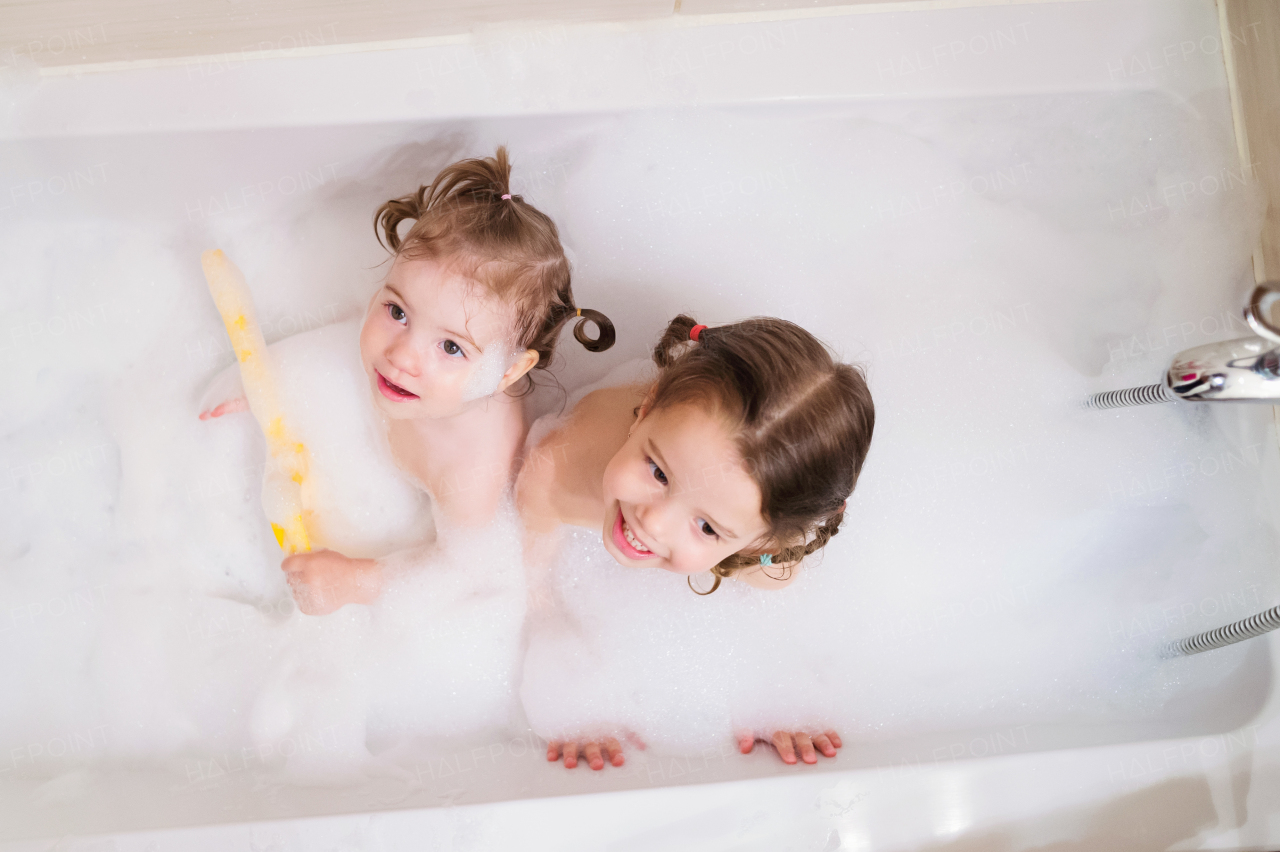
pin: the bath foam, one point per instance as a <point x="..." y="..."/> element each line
<point x="488" y="372"/>
<point x="446" y="657"/>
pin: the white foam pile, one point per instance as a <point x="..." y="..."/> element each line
<point x="1007" y="559"/>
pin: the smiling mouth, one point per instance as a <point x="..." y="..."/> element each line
<point x="393" y="391"/>
<point x="626" y="540"/>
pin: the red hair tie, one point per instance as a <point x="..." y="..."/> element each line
<point x="695" y="331"/>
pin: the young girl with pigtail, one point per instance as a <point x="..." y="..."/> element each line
<point x="737" y="458"/>
<point x="475" y="299"/>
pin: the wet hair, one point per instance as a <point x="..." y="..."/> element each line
<point x="506" y="244"/>
<point x="801" y="420"/>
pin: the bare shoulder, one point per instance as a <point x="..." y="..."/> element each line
<point x="535" y="483"/>
<point x="559" y="474"/>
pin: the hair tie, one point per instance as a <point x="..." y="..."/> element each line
<point x="766" y="559"/>
<point x="695" y="332"/>
<point x="506" y="197"/>
<point x="579" y="311"/>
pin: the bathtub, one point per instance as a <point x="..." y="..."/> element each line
<point x="1204" y="775"/>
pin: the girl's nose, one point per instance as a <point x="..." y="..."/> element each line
<point x="655" y="517"/>
<point x="403" y="355"/>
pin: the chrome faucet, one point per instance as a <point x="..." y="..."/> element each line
<point x="1243" y="370"/>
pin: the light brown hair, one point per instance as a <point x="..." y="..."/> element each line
<point x="506" y="244"/>
<point x="802" y="422"/>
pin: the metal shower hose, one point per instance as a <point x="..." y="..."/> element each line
<point x="1237" y="631"/>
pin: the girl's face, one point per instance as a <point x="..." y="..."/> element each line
<point x="678" y="495"/>
<point x="433" y="342"/>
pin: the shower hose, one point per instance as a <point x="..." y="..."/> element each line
<point x="1145" y="395"/>
<point x="1237" y="631"/>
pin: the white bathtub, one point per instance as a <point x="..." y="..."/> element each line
<point x="1205" y="775"/>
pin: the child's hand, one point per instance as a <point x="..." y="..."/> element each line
<point x="788" y="743"/>
<point x="230" y="406"/>
<point x="224" y="395"/>
<point x="591" y="751"/>
<point x="324" y="581"/>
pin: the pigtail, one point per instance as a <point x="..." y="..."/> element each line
<point x="386" y="221"/>
<point x="482" y="180"/>
<point x="785" y="559"/>
<point x="674" y="341"/>
<point x="478" y="190"/>
<point x="605" y="334"/>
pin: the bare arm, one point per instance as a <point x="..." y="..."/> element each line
<point x="468" y="495"/>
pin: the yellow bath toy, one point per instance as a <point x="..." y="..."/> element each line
<point x="282" y="486"/>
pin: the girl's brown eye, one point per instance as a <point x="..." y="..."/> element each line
<point x="706" y="529"/>
<point x="657" y="472"/>
<point x="451" y="348"/>
<point x="396" y="312"/>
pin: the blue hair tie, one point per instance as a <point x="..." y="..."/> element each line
<point x="766" y="558"/>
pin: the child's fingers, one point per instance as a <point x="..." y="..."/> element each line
<point x="310" y="599"/>
<point x="614" y="749"/>
<point x="553" y="751"/>
<point x="835" y="739"/>
<point x="822" y="743"/>
<point x="570" y="754"/>
<point x="805" y="745"/>
<point x="746" y="742"/>
<point x="231" y="406"/>
<point x="591" y="753"/>
<point x="782" y="742"/>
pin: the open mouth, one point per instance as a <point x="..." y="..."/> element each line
<point x="626" y="540"/>
<point x="393" y="391"/>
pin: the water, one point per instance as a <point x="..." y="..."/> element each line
<point x="1007" y="559"/>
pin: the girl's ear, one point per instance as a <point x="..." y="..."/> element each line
<point x="525" y="362"/>
<point x="643" y="410"/>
